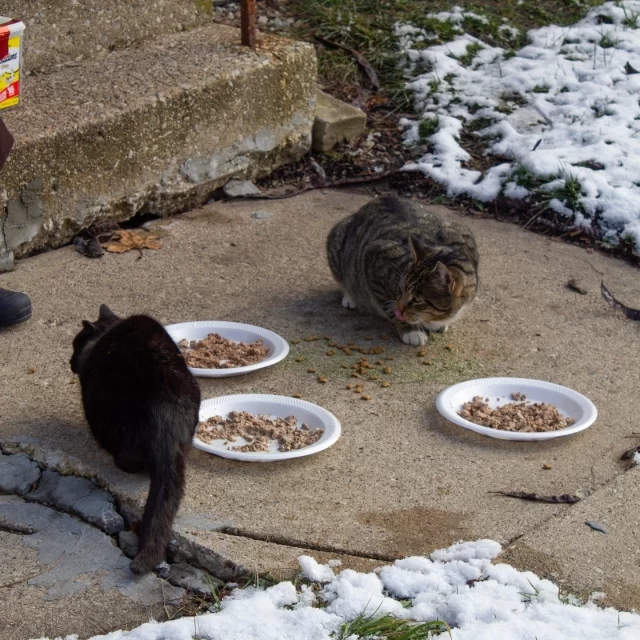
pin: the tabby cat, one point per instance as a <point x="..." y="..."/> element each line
<point x="141" y="403"/>
<point x="399" y="261"/>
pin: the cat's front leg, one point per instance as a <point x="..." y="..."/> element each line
<point x="410" y="334"/>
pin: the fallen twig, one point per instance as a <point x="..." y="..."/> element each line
<point x="534" y="497"/>
<point x="368" y="177"/>
<point x="632" y="314"/>
<point x="365" y="65"/>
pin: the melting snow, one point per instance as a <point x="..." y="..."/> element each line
<point x="460" y="585"/>
<point x="560" y="116"/>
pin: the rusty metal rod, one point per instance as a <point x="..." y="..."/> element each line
<point x="248" y="22"/>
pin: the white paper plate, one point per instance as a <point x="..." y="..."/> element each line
<point x="278" y="347"/>
<point x="312" y="415"/>
<point x="570" y="403"/>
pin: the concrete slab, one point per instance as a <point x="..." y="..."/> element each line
<point x="55" y="559"/>
<point x="178" y="117"/>
<point x="335" y="121"/>
<point x="66" y="32"/>
<point x="400" y="481"/>
<point x="572" y="553"/>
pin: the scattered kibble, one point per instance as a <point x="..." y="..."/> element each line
<point x="422" y="353"/>
<point x="388" y="370"/>
<point x="351" y="343"/>
<point x="389" y="357"/>
<point x="32" y="370"/>
<point x="376" y="350"/>
<point x="299" y="359"/>
<point x="342" y="346"/>
<point x="295" y="341"/>
<point x="349" y="386"/>
<point x="331" y="352"/>
<point x="331" y="344"/>
<point x="311" y="370"/>
<point x="355" y="375"/>
<point x="384" y="336"/>
<point x="362" y="371"/>
<point x="547" y="466"/>
<point x="448" y="347"/>
<point x="368" y="337"/>
<point x="344" y="366"/>
<point x="379" y="361"/>
<point x="365" y="396"/>
<point x="323" y="379"/>
<point x="373" y="377"/>
<point x="348" y="352"/>
<point x="428" y="362"/>
<point x="385" y="384"/>
<point x="326" y="337"/>
<point x="297" y="395"/>
<point x="355" y="366"/>
<point x="311" y="338"/>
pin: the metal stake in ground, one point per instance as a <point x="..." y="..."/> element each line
<point x="248" y="22"/>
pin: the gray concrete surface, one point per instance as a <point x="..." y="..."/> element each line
<point x="154" y="128"/>
<point x="400" y="480"/>
<point x="63" y="33"/>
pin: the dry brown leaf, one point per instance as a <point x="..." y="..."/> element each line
<point x="128" y="240"/>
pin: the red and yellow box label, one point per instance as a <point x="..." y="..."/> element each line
<point x="10" y="59"/>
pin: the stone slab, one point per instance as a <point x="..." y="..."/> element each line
<point x="335" y="121"/>
<point x="179" y="117"/>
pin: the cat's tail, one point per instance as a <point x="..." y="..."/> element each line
<point x="167" y="471"/>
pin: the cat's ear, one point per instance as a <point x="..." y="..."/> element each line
<point x="106" y="313"/>
<point x="443" y="277"/>
<point x="89" y="327"/>
<point x="420" y="251"/>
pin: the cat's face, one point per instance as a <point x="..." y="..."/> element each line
<point x="426" y="290"/>
<point x="90" y="332"/>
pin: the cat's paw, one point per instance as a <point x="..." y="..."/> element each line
<point x="347" y="302"/>
<point x="417" y="338"/>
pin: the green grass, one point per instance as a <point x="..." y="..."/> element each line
<point x="428" y="127"/>
<point x="367" y="27"/>
<point x="391" y="628"/>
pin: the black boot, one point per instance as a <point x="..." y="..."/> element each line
<point x="14" y="307"/>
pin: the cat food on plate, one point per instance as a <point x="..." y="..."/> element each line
<point x="516" y="408"/>
<point x="219" y="349"/>
<point x="264" y="428"/>
<point x="516" y="416"/>
<point x="216" y="352"/>
<point x="260" y="432"/>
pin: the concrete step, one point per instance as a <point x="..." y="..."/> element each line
<point x="61" y="32"/>
<point x="155" y="128"/>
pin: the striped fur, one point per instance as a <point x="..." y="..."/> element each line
<point x="399" y="261"/>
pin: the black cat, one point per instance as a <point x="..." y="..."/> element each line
<point x="142" y="405"/>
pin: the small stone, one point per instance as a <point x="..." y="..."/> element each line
<point x="349" y="386"/>
<point x="263" y="20"/>
<point x="128" y="542"/>
<point x="240" y="188"/>
<point x="262" y="215"/>
<point x="297" y="395"/>
<point x="365" y="396"/>
<point x="335" y="121"/>
<point x="299" y="359"/>
<point x="547" y="466"/>
<point x="191" y="578"/>
<point x="385" y="384"/>
<point x="18" y="474"/>
<point x="311" y="370"/>
<point x="388" y="370"/>
<point x="331" y="352"/>
<point x="323" y="380"/>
